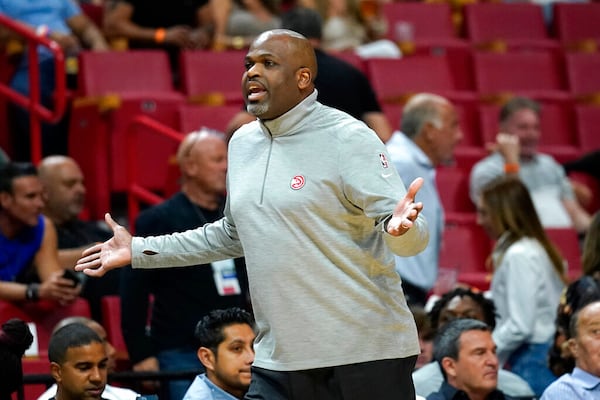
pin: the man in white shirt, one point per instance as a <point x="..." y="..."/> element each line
<point x="110" y="392"/>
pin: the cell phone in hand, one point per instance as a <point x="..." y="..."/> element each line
<point x="72" y="276"/>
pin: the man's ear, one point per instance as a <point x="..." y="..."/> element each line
<point x="573" y="346"/>
<point x="449" y="366"/>
<point x="207" y="358"/>
<point x="56" y="372"/>
<point x="4" y="198"/>
<point x="304" y="77"/>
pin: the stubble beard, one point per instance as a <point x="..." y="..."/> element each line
<point x="257" y="109"/>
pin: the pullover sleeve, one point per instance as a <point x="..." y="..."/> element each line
<point x="211" y="242"/>
<point x="372" y="183"/>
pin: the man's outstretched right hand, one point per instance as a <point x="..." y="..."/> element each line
<point x="102" y="257"/>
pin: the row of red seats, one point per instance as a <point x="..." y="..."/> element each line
<point x="466" y="249"/>
<point x="496" y="25"/>
<point x="139" y="82"/>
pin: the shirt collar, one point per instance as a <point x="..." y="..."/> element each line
<point x="217" y="392"/>
<point x="452" y="393"/>
<point x="288" y="123"/>
<point x="586" y="380"/>
<point x="411" y="147"/>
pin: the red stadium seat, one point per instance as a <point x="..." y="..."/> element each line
<point x="587" y="121"/>
<point x="539" y="75"/>
<point x="194" y="116"/>
<point x="139" y="83"/>
<point x="567" y="242"/>
<point x="576" y="25"/>
<point x="453" y="187"/>
<point x="422" y="28"/>
<point x="199" y="71"/>
<point x="583" y="74"/>
<point x="507" y="26"/>
<point x="465" y="248"/>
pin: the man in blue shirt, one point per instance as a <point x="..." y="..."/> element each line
<point x="584" y="381"/>
<point x="226" y="350"/>
<point x="429" y="132"/>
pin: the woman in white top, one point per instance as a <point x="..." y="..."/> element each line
<point x="527" y="282"/>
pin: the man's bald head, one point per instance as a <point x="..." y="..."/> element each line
<point x="63" y="181"/>
<point x="299" y="46"/>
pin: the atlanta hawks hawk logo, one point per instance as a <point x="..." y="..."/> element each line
<point x="297" y="182"/>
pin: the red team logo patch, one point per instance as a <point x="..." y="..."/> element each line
<point x="383" y="159"/>
<point x="297" y="182"/>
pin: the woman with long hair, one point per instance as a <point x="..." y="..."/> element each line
<point x="529" y="276"/>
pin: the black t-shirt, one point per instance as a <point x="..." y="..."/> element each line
<point x="342" y="86"/>
<point x="164" y="14"/>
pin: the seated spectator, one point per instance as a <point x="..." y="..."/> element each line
<point x="429" y="133"/>
<point x="584" y="381"/>
<point x="110" y="392"/>
<point x="338" y="83"/>
<point x="29" y="267"/>
<point x="347" y="28"/>
<point x="143" y="24"/>
<point x="465" y="303"/>
<point x="516" y="155"/>
<point x="169" y="345"/>
<point x="466" y="353"/>
<point x="65" y="23"/>
<point x="529" y="276"/>
<point x="577" y="295"/>
<point x="78" y="363"/>
<point x="226" y="339"/>
<point x="238" y="22"/>
<point x="65" y="199"/>
<point x="15" y="339"/>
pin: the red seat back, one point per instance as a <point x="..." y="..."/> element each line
<point x="213" y="77"/>
<point x="492" y="21"/>
<point x="429" y="21"/>
<point x="573" y="22"/>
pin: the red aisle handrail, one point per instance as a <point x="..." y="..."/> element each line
<point x="135" y="191"/>
<point x="37" y="112"/>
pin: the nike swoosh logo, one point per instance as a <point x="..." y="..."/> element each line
<point x="386" y="175"/>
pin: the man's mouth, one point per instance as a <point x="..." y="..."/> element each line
<point x="255" y="92"/>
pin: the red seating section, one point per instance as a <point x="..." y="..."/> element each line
<point x="567" y="242"/>
<point x="576" y="25"/>
<point x="535" y="74"/>
<point x="503" y="26"/>
<point x="588" y="121"/>
<point x="139" y="82"/>
<point x="582" y="75"/>
<point x="465" y="248"/>
<point x="212" y="78"/>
